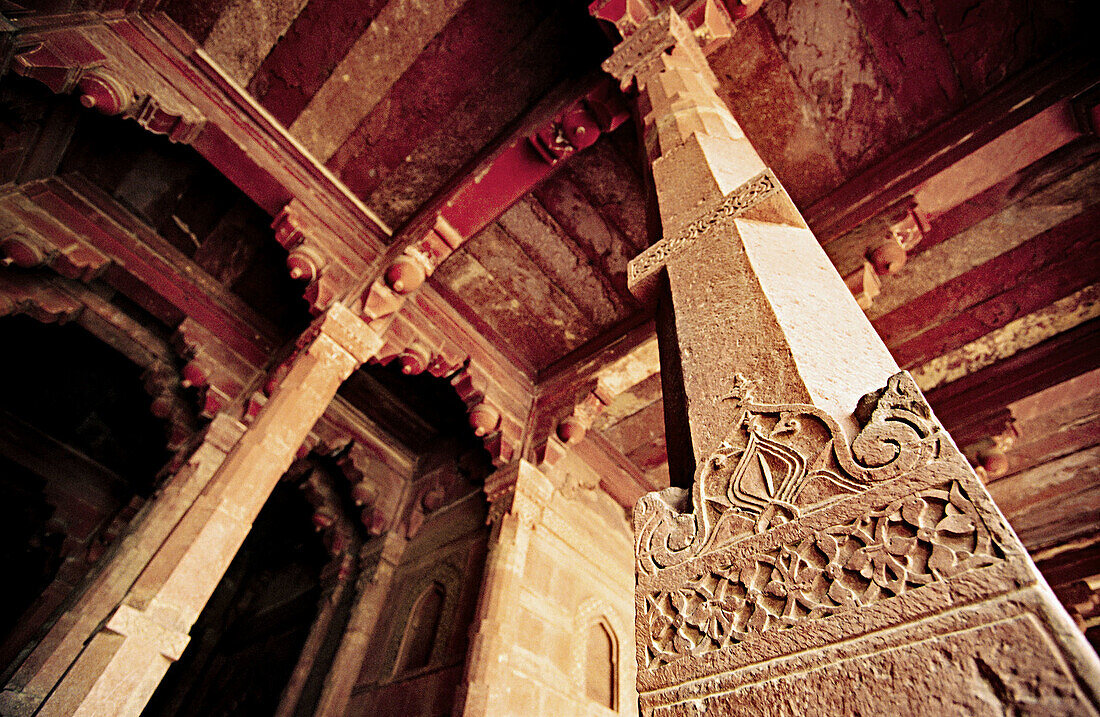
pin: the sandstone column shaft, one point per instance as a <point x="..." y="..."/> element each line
<point x="380" y="559"/>
<point x="836" y="553"/>
<point x="121" y="666"/>
<point x="331" y="596"/>
<point x="517" y="494"/>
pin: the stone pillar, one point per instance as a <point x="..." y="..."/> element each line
<point x="334" y="581"/>
<point x="835" y="554"/>
<point x="102" y="594"/>
<point x="517" y="494"/>
<point x="379" y="559"/>
<point x="120" y="667"/>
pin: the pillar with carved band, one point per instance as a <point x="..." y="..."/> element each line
<point x="378" y="560"/>
<point x="100" y="596"/>
<point x="835" y="553"/>
<point x="121" y="665"/>
<point x="517" y="494"/>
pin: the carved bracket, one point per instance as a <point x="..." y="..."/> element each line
<point x="487" y="194"/>
<point x="375" y="472"/>
<point x="501" y="431"/>
<point x="43" y="242"/>
<point x="66" y="61"/>
<point x="21" y="294"/>
<point x="580" y="124"/>
<point x="880" y="246"/>
<point x="420" y="346"/>
<point x="329" y="519"/>
<point x="218" y="373"/>
<point x="572" y="428"/>
<point x="317" y="256"/>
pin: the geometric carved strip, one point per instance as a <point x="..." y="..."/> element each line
<point x="736" y="203"/>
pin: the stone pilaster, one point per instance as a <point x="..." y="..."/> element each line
<point x="120" y="667"/>
<point x="102" y="594"/>
<point x="518" y="494"/>
<point x="379" y="560"/>
<point x="836" y="554"/>
<point x="334" y="583"/>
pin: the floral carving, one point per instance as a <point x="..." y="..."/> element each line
<point x="914" y="541"/>
<point x="781" y="461"/>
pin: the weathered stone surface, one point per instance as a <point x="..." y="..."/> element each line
<point x="834" y="517"/>
<point x="246" y="31"/>
<point x="980" y="671"/>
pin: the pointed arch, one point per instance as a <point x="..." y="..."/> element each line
<point x="421" y="629"/>
<point x="601" y="665"/>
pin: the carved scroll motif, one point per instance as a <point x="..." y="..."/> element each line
<point x="914" y="541"/>
<point x="780" y="461"/>
<point x="737" y="202"/>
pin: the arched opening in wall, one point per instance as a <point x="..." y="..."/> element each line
<point x="245" y="643"/>
<point x="79" y="453"/>
<point x="421" y="630"/>
<point x="601" y="666"/>
<point x="415" y="662"/>
<point x="170" y="188"/>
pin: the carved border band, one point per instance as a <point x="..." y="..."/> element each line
<point x="736" y="203"/>
<point x="928" y="537"/>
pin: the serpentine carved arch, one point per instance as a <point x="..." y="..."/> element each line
<point x="781" y="461"/>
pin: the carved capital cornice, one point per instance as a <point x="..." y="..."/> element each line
<point x="635" y="56"/>
<point x="68" y="60"/>
<point x="519" y="489"/>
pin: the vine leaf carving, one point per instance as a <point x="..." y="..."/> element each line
<point x="914" y="541"/>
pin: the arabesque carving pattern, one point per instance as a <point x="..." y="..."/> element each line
<point x="924" y="538"/>
<point x="781" y="461"/>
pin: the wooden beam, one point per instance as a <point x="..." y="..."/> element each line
<point x="1042" y="270"/>
<point x="889" y="181"/>
<point x="1053" y="361"/>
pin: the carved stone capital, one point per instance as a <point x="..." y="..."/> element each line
<point x="646" y="51"/>
<point x="519" y="489"/>
<point x="316" y="256"/>
<point x="348" y="330"/>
